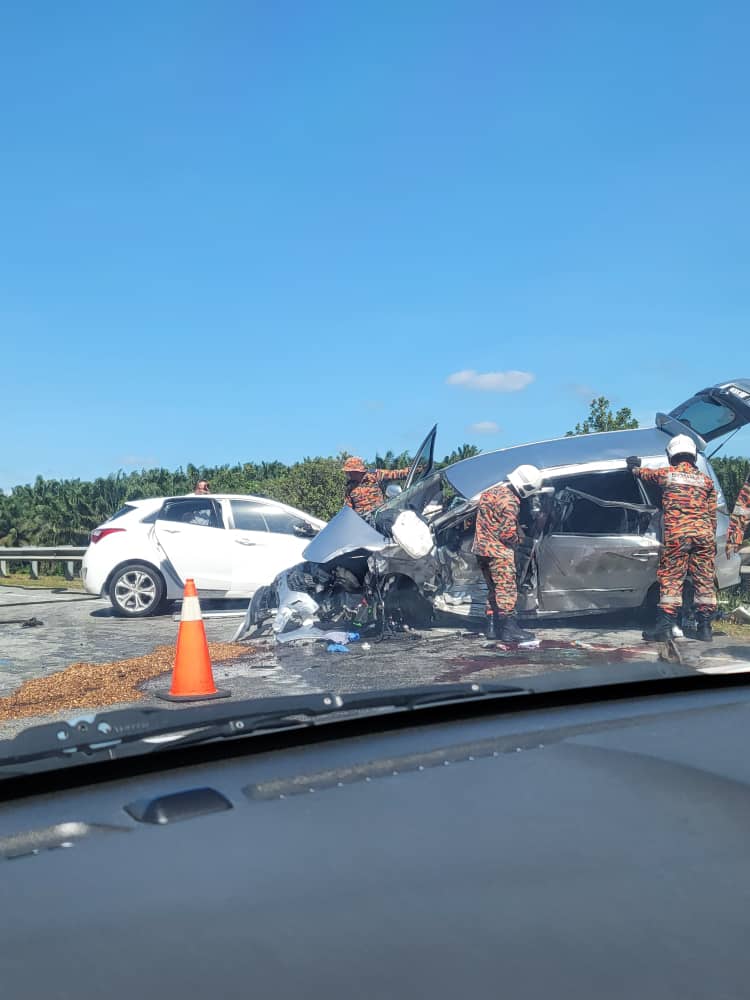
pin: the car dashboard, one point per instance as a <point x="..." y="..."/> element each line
<point x="587" y="847"/>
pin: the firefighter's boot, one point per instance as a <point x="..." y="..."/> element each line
<point x="663" y="627"/>
<point x="510" y="630"/>
<point x="703" y="619"/>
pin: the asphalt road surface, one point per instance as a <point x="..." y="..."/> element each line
<point x="77" y="628"/>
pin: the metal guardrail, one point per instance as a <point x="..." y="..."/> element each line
<point x="69" y="555"/>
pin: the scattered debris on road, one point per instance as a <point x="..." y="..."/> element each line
<point x="98" y="685"/>
<point x="23" y="622"/>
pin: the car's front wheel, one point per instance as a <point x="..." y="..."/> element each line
<point x="136" y="590"/>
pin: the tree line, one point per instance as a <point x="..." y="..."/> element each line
<point x="64" y="511"/>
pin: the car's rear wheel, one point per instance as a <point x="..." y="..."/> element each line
<point x="136" y="590"/>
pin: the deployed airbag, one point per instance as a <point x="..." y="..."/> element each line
<point x="412" y="534"/>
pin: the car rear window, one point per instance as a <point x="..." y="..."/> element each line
<point x="194" y="510"/>
<point x="123" y="510"/>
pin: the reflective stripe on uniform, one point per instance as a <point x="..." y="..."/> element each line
<point x="685" y="478"/>
<point x="740" y="511"/>
<point x="706" y="600"/>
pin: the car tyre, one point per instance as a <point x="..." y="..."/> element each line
<point x="136" y="590"/>
<point x="262" y="605"/>
<point x="404" y="602"/>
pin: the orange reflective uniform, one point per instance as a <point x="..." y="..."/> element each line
<point x="495" y="538"/>
<point x="740" y="518"/>
<point x="689" y="503"/>
<point x="367" y="494"/>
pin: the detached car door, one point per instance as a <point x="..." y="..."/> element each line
<point x="190" y="533"/>
<point x="265" y="540"/>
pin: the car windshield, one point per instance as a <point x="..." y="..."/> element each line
<point x="363" y="348"/>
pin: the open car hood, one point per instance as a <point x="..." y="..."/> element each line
<point x="346" y="532"/>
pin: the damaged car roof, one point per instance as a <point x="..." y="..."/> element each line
<point x="472" y="476"/>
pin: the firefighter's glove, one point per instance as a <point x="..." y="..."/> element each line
<point x="730" y="550"/>
<point x="633" y="462"/>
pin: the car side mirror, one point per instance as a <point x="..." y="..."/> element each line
<point x="305" y="530"/>
<point x="392" y="490"/>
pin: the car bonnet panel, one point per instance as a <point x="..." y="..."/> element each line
<point x="346" y="532"/>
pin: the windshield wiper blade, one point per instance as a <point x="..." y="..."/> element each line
<point x="396" y="699"/>
<point x="106" y="731"/>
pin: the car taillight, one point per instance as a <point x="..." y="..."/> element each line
<point x="98" y="533"/>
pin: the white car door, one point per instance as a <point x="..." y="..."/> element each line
<point x="265" y="541"/>
<point x="190" y="533"/>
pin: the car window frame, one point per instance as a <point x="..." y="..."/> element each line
<point x="195" y="501"/>
<point x="258" y="509"/>
<point x="566" y="482"/>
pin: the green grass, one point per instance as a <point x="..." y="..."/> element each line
<point x="43" y="583"/>
<point x="733" y="629"/>
<point x="732" y="597"/>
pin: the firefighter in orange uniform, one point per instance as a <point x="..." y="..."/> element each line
<point x="496" y="536"/>
<point x="739" y="520"/>
<point x="363" y="487"/>
<point x="689" y="543"/>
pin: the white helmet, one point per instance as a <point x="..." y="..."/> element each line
<point x="681" y="444"/>
<point x="525" y="480"/>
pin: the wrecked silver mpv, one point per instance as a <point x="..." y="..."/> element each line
<point x="592" y="544"/>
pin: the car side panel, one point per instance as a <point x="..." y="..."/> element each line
<point x="198" y="552"/>
<point x="595" y="572"/>
<point x="259" y="556"/>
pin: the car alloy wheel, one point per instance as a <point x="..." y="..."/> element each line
<point x="136" y="590"/>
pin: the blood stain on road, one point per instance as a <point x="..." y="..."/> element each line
<point x="549" y="654"/>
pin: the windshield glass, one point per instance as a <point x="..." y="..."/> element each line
<point x="333" y="345"/>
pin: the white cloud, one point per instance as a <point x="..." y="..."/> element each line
<point x="137" y="462"/>
<point x="584" y="391"/>
<point x="491" y="381"/>
<point x="484" y="427"/>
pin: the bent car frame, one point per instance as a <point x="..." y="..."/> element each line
<point x="593" y="536"/>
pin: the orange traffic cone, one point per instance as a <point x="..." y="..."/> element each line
<point x="192" y="677"/>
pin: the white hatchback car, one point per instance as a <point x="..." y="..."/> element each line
<point x="229" y="544"/>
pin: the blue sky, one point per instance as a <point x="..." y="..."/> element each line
<point x="238" y="231"/>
